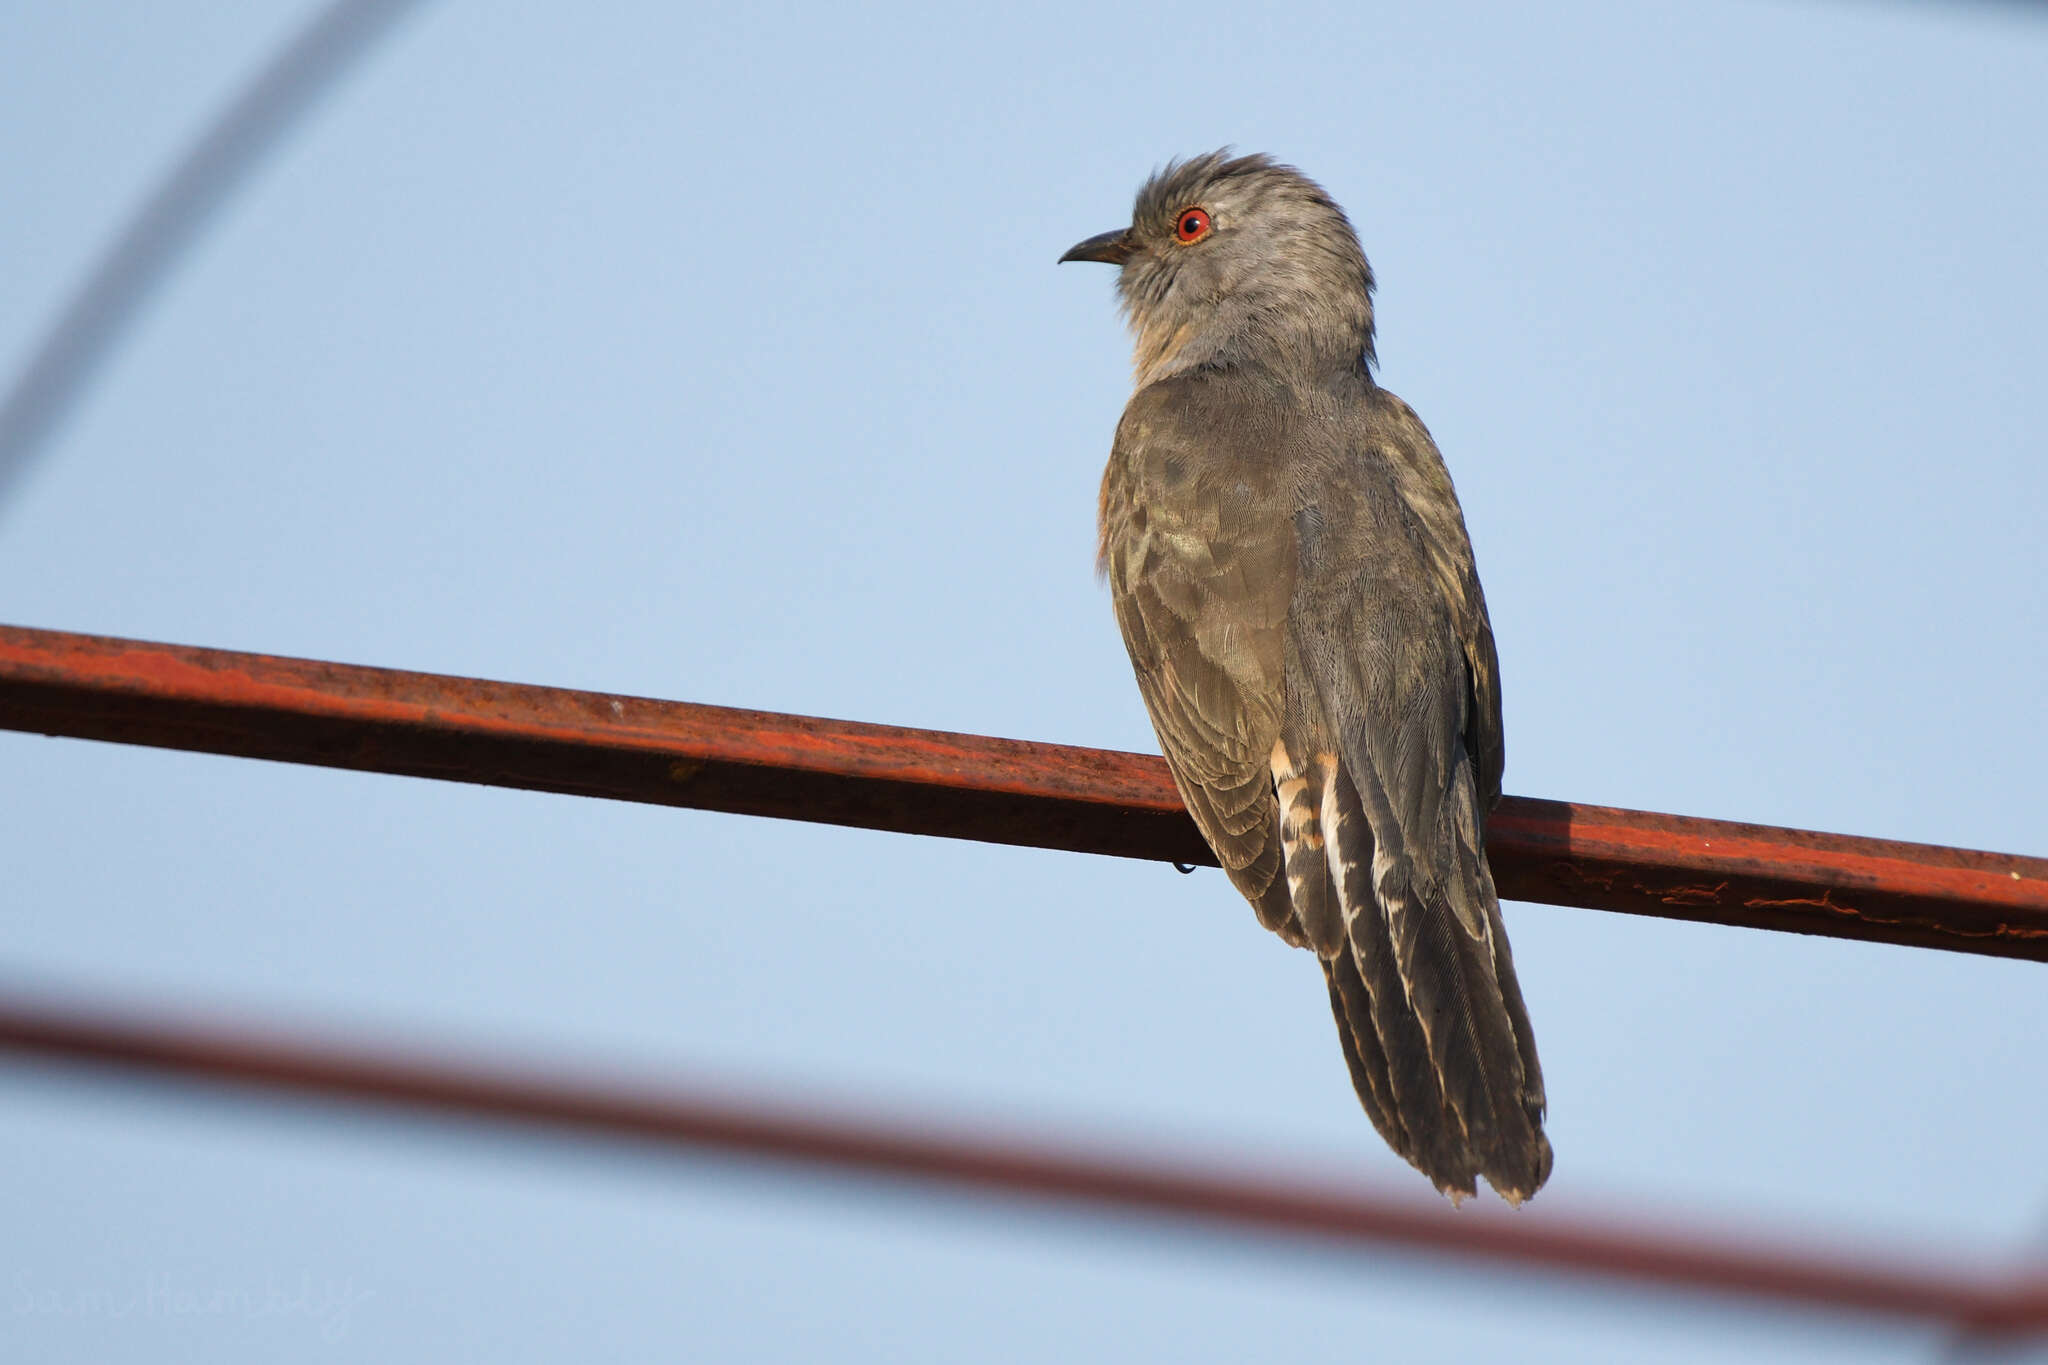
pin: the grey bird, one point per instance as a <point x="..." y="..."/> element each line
<point x="1295" y="585"/>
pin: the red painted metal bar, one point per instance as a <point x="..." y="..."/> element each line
<point x="964" y="786"/>
<point x="951" y="1155"/>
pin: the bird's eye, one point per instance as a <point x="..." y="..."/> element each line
<point x="1193" y="225"/>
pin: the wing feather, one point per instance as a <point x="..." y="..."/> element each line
<point x="1399" y="662"/>
<point x="1200" y="582"/>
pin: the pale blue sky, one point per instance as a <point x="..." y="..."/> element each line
<point x="718" y="353"/>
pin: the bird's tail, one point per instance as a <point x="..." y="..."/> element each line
<point x="1430" y="1016"/>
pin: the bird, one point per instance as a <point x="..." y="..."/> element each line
<point x="1294" y="582"/>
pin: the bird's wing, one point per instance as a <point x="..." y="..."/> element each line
<point x="1397" y="713"/>
<point x="1200" y="561"/>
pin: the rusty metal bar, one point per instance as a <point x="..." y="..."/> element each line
<point x="965" y="786"/>
<point x="951" y="1155"/>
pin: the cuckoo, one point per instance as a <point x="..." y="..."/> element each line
<point x="1292" y="576"/>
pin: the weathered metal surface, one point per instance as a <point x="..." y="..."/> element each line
<point x="1764" y="877"/>
<point x="964" y="786"/>
<point x="1340" y="1212"/>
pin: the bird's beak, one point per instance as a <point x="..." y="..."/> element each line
<point x="1111" y="248"/>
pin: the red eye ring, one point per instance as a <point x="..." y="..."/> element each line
<point x="1192" y="225"/>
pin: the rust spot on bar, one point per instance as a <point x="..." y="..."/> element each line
<point x="1825" y="901"/>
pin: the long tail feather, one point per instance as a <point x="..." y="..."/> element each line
<point x="1438" y="1147"/>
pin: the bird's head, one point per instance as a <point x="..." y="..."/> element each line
<point x="1227" y="258"/>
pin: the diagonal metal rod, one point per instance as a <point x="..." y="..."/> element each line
<point x="965" y="786"/>
<point x="174" y="213"/>
<point x="255" y="1056"/>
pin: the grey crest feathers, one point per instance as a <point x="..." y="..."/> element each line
<point x="1293" y="580"/>
<point x="1281" y="264"/>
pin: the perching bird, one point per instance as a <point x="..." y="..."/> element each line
<point x="1293" y="579"/>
